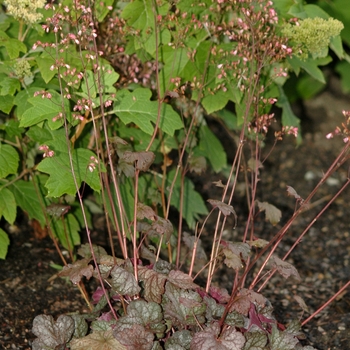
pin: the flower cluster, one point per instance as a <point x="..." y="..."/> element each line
<point x="47" y="152"/>
<point x="345" y="132"/>
<point x="312" y="35"/>
<point x="22" y="69"/>
<point x="25" y="10"/>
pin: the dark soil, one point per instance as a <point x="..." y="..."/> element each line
<point x="322" y="258"/>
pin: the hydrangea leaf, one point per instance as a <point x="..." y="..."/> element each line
<point x="4" y="243"/>
<point x="45" y="109"/>
<point x="6" y="103"/>
<point x="26" y="196"/>
<point x="136" y="107"/>
<point x="13" y="46"/>
<point x="211" y="148"/>
<point x="9" y="160"/>
<point x="61" y="179"/>
<point x="8" y="207"/>
<point x="193" y="204"/>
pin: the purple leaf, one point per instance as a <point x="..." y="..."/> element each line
<point x="97" y="340"/>
<point x="181" y="280"/>
<point x="209" y="339"/>
<point x="223" y="207"/>
<point x="143" y="160"/>
<point x="76" y="271"/>
<point x="124" y="282"/>
<point x="189" y="241"/>
<point x="219" y="294"/>
<point x="52" y="334"/>
<point x="57" y="210"/>
<point x="284" y="268"/>
<point x="153" y="283"/>
<point x="282" y="340"/>
<point x="272" y="214"/>
<point x="292" y="192"/>
<point x="144" y="211"/>
<point x="134" y="337"/>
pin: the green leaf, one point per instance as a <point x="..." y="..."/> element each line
<point x="13" y="129"/>
<point x="175" y="61"/>
<point x="7" y="206"/>
<point x="193" y="204"/>
<point x="45" y="109"/>
<point x="61" y="179"/>
<point x="6" y="103"/>
<point x="13" y="46"/>
<point x="9" y="160"/>
<point x="308" y="87"/>
<point x="343" y="68"/>
<point x="136" y="107"/>
<point x="67" y="231"/>
<point x="90" y="84"/>
<point x="4" y="243"/>
<point x="26" y="196"/>
<point x="213" y="103"/>
<point x="9" y="86"/>
<point x="288" y="117"/>
<point x="44" y="63"/>
<point x="211" y="148"/>
<point x="101" y="10"/>
<point x="21" y="100"/>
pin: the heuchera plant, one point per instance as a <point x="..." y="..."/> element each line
<point x="105" y="110"/>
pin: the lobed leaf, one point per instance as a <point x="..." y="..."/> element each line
<point x="209" y="339"/>
<point x="51" y="334"/>
<point x="223" y="207"/>
<point x="271" y="212"/>
<point x="136" y="107"/>
<point x="284" y="268"/>
<point x="124" y="282"/>
<point x="9" y="160"/>
<point x="282" y="340"/>
<point x="177" y="311"/>
<point x="8" y="206"/>
<point x="255" y="341"/>
<point x="154" y="284"/>
<point x="181" y="280"/>
<point x="97" y="340"/>
<point x="77" y="270"/>
<point x="4" y="243"/>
